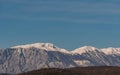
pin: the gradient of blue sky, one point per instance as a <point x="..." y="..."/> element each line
<point x="66" y="23"/>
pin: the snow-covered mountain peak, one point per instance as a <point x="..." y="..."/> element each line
<point x="111" y="50"/>
<point x="88" y="47"/>
<point x="84" y="49"/>
<point x="44" y="46"/>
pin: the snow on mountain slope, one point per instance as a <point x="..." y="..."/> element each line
<point x="84" y="49"/>
<point x="90" y="54"/>
<point x="44" y="46"/>
<point x="17" y="60"/>
<point x="111" y="51"/>
<point x="29" y="57"/>
<point x="82" y="63"/>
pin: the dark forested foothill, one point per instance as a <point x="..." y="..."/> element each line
<point x="77" y="71"/>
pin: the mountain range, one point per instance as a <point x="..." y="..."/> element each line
<point x="23" y="58"/>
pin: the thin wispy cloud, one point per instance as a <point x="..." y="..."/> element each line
<point x="75" y="7"/>
<point x="68" y="11"/>
<point x="63" y="19"/>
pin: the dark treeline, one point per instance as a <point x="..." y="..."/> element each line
<point x="5" y="74"/>
<point x="77" y="71"/>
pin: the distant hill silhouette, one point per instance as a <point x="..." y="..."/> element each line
<point x="77" y="71"/>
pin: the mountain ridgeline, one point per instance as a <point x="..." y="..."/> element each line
<point x="24" y="58"/>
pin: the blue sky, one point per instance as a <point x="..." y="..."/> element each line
<point x="66" y="23"/>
